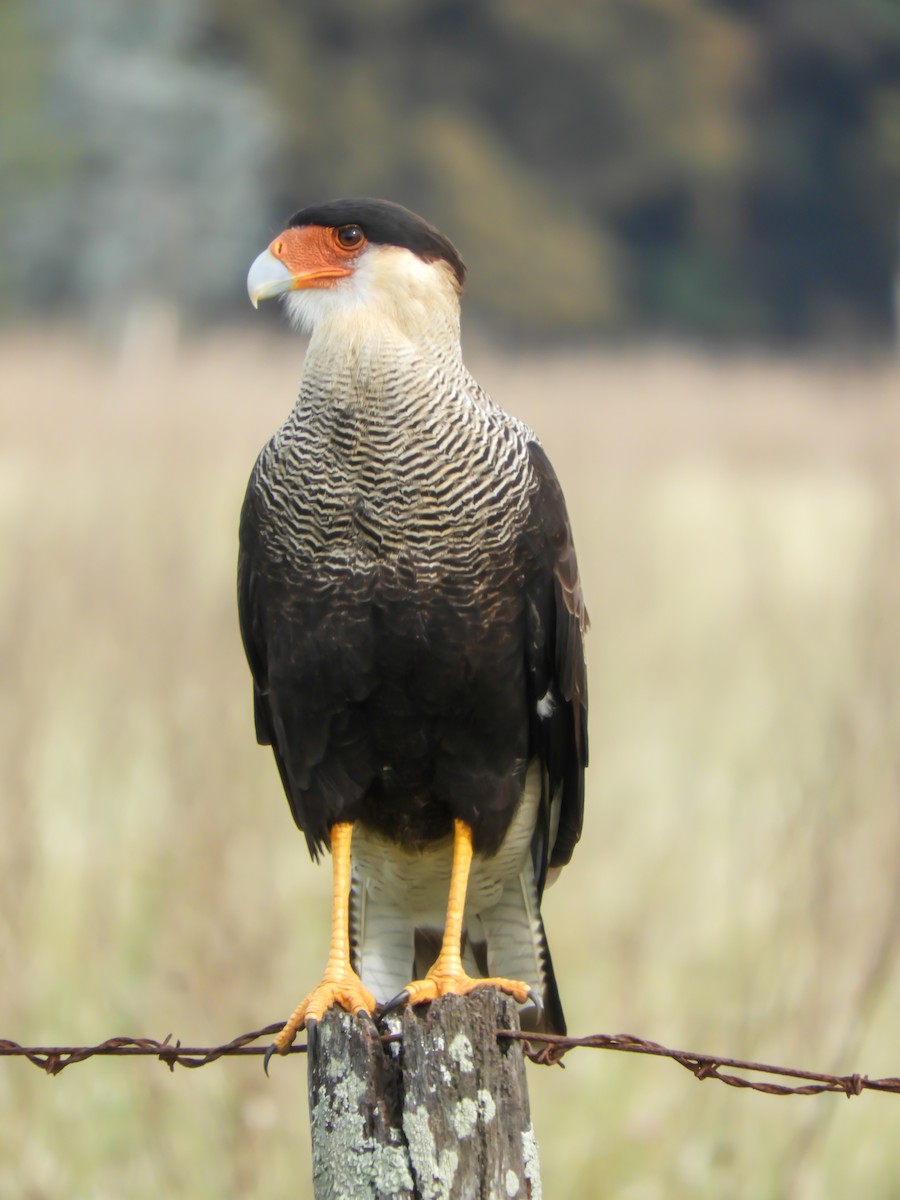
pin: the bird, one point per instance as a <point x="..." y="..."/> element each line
<point x="413" y="619"/>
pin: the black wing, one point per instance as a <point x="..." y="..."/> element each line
<point x="306" y="679"/>
<point x="556" y="621"/>
<point x="250" y="616"/>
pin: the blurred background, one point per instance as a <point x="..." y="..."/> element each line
<point x="681" y="220"/>
<point x="714" y="169"/>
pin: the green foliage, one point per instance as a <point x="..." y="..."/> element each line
<point x="720" y="169"/>
<point x="714" y="167"/>
<point x="35" y="160"/>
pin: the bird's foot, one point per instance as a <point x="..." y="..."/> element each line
<point x="340" y="987"/>
<point x="443" y="981"/>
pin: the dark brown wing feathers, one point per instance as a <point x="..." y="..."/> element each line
<point x="558" y="621"/>
<point x="405" y="709"/>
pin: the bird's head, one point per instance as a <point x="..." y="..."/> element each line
<point x="358" y="257"/>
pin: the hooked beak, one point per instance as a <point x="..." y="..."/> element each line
<point x="302" y="257"/>
<point x="268" y="277"/>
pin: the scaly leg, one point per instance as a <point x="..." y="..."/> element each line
<point x="340" y="984"/>
<point x="446" y="973"/>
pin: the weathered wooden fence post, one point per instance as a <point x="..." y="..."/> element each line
<point x="440" y="1115"/>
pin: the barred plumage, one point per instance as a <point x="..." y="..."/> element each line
<point x="411" y="610"/>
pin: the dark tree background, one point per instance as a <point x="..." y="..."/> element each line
<point x="723" y="169"/>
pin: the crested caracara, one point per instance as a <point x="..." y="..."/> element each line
<point x="413" y="619"/>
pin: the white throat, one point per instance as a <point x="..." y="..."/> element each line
<point x="394" y="307"/>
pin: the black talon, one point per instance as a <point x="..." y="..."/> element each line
<point x="392" y="1005"/>
<point x="273" y="1049"/>
<point x="312" y="1035"/>
<point x="536" y="1001"/>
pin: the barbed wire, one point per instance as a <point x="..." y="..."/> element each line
<point x="546" y="1049"/>
<point x="54" y="1059"/>
<point x="702" y="1066"/>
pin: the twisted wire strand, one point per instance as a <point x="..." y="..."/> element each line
<point x="546" y="1049"/>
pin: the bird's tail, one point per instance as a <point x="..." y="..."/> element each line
<point x="516" y="948"/>
<point x="506" y="940"/>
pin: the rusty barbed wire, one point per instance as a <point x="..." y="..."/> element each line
<point x="546" y="1049"/>
<point x="702" y="1066"/>
<point x="54" y="1059"/>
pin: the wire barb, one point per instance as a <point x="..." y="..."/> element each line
<point x="546" y="1049"/>
<point x="54" y="1059"/>
<point x="549" y="1049"/>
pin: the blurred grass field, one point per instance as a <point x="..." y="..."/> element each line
<point x="737" y="890"/>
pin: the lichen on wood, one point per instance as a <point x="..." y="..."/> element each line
<point x="443" y="1114"/>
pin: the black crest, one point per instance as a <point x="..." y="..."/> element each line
<point x="387" y="224"/>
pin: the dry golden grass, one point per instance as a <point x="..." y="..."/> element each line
<point x="737" y="890"/>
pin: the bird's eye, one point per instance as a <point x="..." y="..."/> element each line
<point x="349" y="237"/>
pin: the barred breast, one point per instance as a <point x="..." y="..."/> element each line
<point x="426" y="472"/>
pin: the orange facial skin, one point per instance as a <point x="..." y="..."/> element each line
<point x="319" y="255"/>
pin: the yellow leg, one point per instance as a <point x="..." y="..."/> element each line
<point x="446" y="973"/>
<point x="340" y="984"/>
